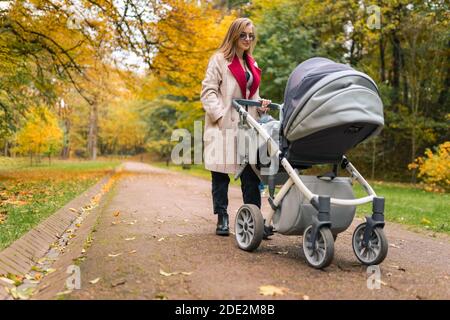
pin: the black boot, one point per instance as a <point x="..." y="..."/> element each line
<point x="222" y="225"/>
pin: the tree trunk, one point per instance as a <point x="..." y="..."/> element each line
<point x="65" y="153"/>
<point x="382" y="64"/>
<point x="413" y="153"/>
<point x="374" y="152"/>
<point x="5" y="151"/>
<point x="395" y="79"/>
<point x="93" y="131"/>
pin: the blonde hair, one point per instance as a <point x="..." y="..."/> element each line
<point x="229" y="44"/>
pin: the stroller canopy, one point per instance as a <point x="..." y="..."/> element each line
<point x="321" y="94"/>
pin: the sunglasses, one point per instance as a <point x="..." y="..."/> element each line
<point x="244" y="36"/>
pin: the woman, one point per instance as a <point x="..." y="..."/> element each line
<point x="232" y="73"/>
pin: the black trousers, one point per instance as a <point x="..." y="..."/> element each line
<point x="249" y="186"/>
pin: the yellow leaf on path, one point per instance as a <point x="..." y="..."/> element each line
<point x="283" y="252"/>
<point x="272" y="290"/>
<point x="166" y="274"/>
<point x="50" y="270"/>
<point x="132" y="251"/>
<point x="115" y="222"/>
<point x="180" y="235"/>
<point x="94" y="281"/>
<point x="62" y="293"/>
<point x="161" y="239"/>
<point x="116" y="213"/>
<point x="130" y="239"/>
<point x="113" y="255"/>
<point x="7" y="281"/>
<point x="160" y="220"/>
<point x="73" y="210"/>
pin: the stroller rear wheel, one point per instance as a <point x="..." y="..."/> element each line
<point x="249" y="227"/>
<point x="377" y="248"/>
<point x="320" y="254"/>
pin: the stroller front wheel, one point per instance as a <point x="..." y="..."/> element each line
<point x="249" y="227"/>
<point x="377" y="248"/>
<point x="320" y="254"/>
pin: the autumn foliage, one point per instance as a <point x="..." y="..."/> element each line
<point x="40" y="135"/>
<point x="434" y="168"/>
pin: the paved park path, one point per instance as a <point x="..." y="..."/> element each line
<point x="155" y="240"/>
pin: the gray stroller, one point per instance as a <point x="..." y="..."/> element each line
<point x="328" y="109"/>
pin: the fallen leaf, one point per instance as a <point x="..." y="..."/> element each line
<point x="118" y="282"/>
<point x="160" y="220"/>
<point x="94" y="281"/>
<point x="62" y="293"/>
<point x="166" y="274"/>
<point x="50" y="270"/>
<point x="113" y="255"/>
<point x="73" y="209"/>
<point x="130" y="239"/>
<point x="180" y="235"/>
<point x="283" y="252"/>
<point x="272" y="290"/>
<point x="186" y="273"/>
<point x="305" y="297"/>
<point x="394" y="246"/>
<point x="116" y="213"/>
<point x="161" y="239"/>
<point x="115" y="222"/>
<point x="161" y="296"/>
<point x="7" y="281"/>
<point x="83" y="250"/>
<point x="132" y="251"/>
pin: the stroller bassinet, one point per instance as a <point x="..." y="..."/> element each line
<point x="328" y="109"/>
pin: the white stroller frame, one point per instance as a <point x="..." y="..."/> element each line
<point x="364" y="233"/>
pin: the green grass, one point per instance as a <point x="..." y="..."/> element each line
<point x="405" y="204"/>
<point x="411" y="206"/>
<point x="30" y="194"/>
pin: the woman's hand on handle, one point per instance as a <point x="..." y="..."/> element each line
<point x="264" y="105"/>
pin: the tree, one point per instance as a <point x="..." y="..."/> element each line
<point x="122" y="130"/>
<point x="40" y="135"/>
<point x="283" y="43"/>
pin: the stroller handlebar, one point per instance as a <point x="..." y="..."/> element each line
<point x="255" y="103"/>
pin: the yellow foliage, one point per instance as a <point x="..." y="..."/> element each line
<point x="41" y="133"/>
<point x="188" y="36"/>
<point x="122" y="128"/>
<point x="434" y="168"/>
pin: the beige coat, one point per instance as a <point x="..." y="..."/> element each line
<point x="223" y="82"/>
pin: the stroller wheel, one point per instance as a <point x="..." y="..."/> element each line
<point x="320" y="254"/>
<point x="249" y="227"/>
<point x="377" y="249"/>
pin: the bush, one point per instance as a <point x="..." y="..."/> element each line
<point x="434" y="168"/>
